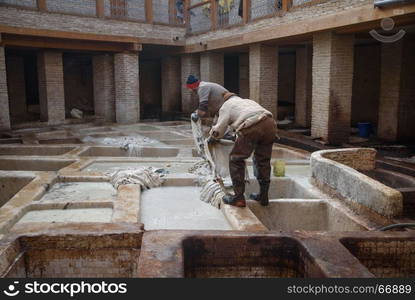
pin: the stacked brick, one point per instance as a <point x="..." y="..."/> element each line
<point x="51" y="87"/>
<point x="263" y="76"/>
<point x="126" y="87"/>
<point x="4" y="97"/>
<point x="104" y="90"/>
<point x="332" y="86"/>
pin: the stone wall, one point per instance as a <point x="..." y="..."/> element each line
<point x="55" y="21"/>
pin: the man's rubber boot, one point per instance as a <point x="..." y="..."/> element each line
<point x="234" y="200"/>
<point x="262" y="197"/>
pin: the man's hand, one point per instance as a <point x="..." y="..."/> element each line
<point x="211" y="140"/>
<point x="194" y="116"/>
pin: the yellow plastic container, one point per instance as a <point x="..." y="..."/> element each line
<point x="279" y="168"/>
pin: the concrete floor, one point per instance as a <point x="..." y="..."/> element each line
<point x="60" y="176"/>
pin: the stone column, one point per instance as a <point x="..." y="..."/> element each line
<point x="263" y="76"/>
<point x="190" y="65"/>
<point x="104" y="89"/>
<point x="51" y="87"/>
<point x="126" y="74"/>
<point x="332" y="86"/>
<point x="212" y="67"/>
<point x="244" y="75"/>
<point x="303" y="83"/>
<point x="170" y="84"/>
<point x="4" y="96"/>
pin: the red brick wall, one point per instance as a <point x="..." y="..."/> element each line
<point x="332" y="86"/>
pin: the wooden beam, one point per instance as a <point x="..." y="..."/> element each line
<point x="67" y="35"/>
<point x="41" y="5"/>
<point x="149" y="11"/>
<point x="53" y="43"/>
<point x="214" y="14"/>
<point x="246" y="10"/>
<point x="348" y="18"/>
<point x="100" y="8"/>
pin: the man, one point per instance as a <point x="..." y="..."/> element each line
<point x="256" y="129"/>
<point x="210" y="97"/>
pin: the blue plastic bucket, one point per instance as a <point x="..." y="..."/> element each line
<point x="365" y="129"/>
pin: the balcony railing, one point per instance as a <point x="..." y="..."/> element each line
<point x="216" y="14"/>
<point x="146" y="11"/>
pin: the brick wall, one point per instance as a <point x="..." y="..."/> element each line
<point x="366" y="84"/>
<point x="104" y="89"/>
<point x="303" y="84"/>
<point x="51" y="87"/>
<point x="212" y="67"/>
<point x="332" y="86"/>
<point x="55" y="21"/>
<point x="16" y="86"/>
<point x="244" y="75"/>
<point x="263" y="76"/>
<point x="4" y="97"/>
<point x="171" y="84"/>
<point x="126" y="87"/>
<point x="390" y="84"/>
<point x="190" y="65"/>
